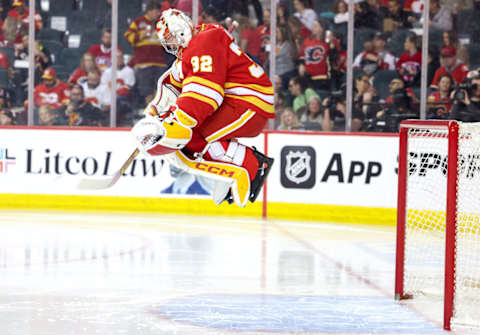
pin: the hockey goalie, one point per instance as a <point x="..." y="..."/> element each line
<point x="222" y="95"/>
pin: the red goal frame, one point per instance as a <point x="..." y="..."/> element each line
<point x="451" y="209"/>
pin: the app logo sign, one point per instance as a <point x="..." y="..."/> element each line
<point x="298" y="167"/>
<point x="6" y="160"/>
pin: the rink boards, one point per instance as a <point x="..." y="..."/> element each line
<point x="333" y="177"/>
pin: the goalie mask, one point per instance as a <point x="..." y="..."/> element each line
<point x="174" y="30"/>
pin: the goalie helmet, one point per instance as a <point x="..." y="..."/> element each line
<point x="174" y="30"/>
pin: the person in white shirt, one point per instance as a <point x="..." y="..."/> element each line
<point x="95" y="92"/>
<point x="125" y="83"/>
<point x="379" y="42"/>
<point x="306" y="15"/>
<point x="125" y="77"/>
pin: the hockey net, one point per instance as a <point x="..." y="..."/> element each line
<point x="438" y="224"/>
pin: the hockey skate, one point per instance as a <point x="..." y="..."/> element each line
<point x="264" y="165"/>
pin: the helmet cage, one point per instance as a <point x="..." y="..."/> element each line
<point x="174" y="30"/>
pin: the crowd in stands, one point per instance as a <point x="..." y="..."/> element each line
<point x="73" y="72"/>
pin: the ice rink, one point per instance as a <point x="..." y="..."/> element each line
<point x="141" y="274"/>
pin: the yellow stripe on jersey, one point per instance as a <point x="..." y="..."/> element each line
<point x="254" y="101"/>
<point x="231" y="127"/>
<point x="255" y="87"/>
<point x="174" y="82"/>
<point x="200" y="97"/>
<point x="206" y="82"/>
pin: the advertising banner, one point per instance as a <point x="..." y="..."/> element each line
<point x="334" y="169"/>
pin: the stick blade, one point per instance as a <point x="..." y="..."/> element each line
<point x="95" y="184"/>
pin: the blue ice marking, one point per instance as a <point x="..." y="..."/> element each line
<point x="275" y="313"/>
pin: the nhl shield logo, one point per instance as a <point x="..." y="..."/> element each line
<point x="298" y="167"/>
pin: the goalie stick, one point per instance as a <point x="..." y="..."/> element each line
<point x="99" y="184"/>
<point x="164" y="101"/>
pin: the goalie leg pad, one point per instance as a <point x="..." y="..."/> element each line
<point x="236" y="177"/>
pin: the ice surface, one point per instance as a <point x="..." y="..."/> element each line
<point x="67" y="273"/>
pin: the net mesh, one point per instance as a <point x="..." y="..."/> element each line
<point x="426" y="219"/>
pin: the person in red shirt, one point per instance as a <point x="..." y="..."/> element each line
<point x="250" y="39"/>
<point x="315" y="55"/>
<point x="20" y="11"/>
<point x="103" y="51"/>
<point x="52" y="92"/>
<point x="410" y="62"/>
<point x="223" y="95"/>
<point x="87" y="64"/>
<point x="451" y="65"/>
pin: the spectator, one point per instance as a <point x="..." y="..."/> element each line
<point x="439" y="104"/>
<point x="87" y="64"/>
<point x="334" y="111"/>
<point x="440" y="17"/>
<point x="95" y="92"/>
<point x="6" y="99"/>
<point x="20" y="75"/>
<point x="10" y="35"/>
<point x="149" y="59"/>
<point x="294" y="28"/>
<point x="41" y="54"/>
<point x="312" y="118"/>
<point x="394" y="17"/>
<point x="410" y="62"/>
<point x="365" y="98"/>
<point x="264" y="31"/>
<point x="389" y="60"/>
<point x="316" y="57"/>
<point x="305" y="14"/>
<point x="6" y="117"/>
<point x="81" y="112"/>
<point x="298" y="88"/>
<point x="289" y="120"/>
<point x="48" y="116"/>
<point x="368" y="61"/>
<point x="20" y="12"/>
<point x="450" y="38"/>
<point x="103" y="51"/>
<point x="466" y="106"/>
<point x="396" y="85"/>
<point x="250" y="40"/>
<point x="340" y="9"/>
<point x="52" y="92"/>
<point x="399" y="106"/>
<point x="284" y="56"/>
<point x="365" y="16"/>
<point x="125" y="83"/>
<point x="125" y="77"/>
<point x="282" y="15"/>
<point x="451" y="65"/>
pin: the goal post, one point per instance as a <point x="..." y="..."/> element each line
<point x="438" y="217"/>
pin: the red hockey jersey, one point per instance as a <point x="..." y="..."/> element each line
<point x="56" y="97"/>
<point x="214" y="69"/>
<point x="314" y="53"/>
<point x="409" y="63"/>
<point x="458" y="73"/>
